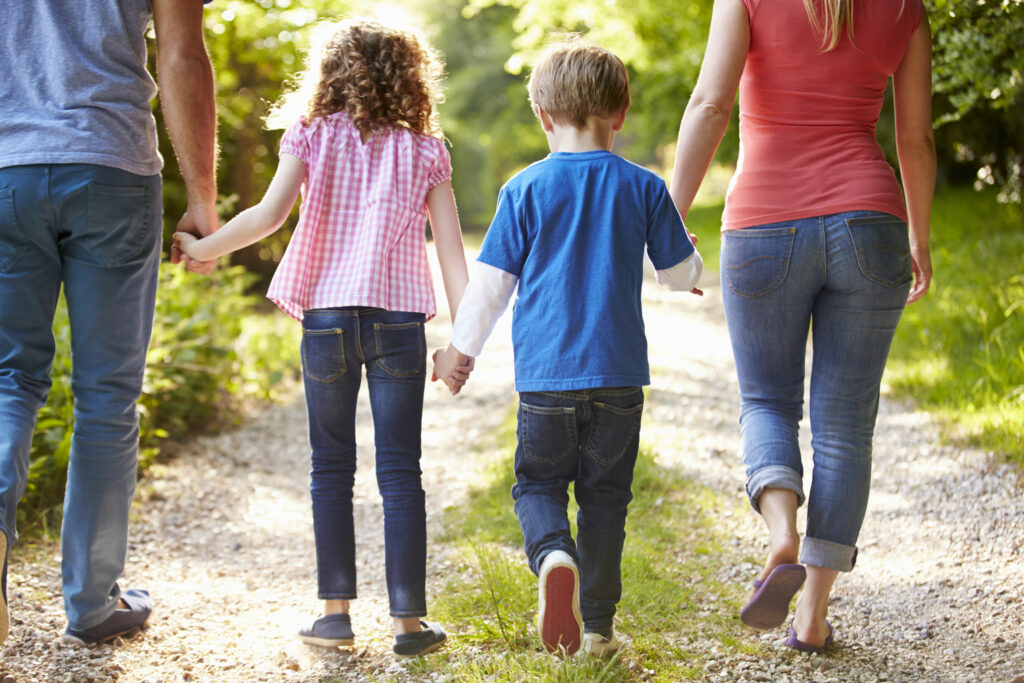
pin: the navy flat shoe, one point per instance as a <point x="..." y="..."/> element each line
<point x="121" y="623"/>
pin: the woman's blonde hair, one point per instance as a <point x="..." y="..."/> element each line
<point x="380" y="76"/>
<point x="834" y="16"/>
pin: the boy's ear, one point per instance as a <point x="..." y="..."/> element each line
<point x="545" y="120"/>
<point x="619" y="119"/>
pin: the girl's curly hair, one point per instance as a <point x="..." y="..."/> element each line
<point x="379" y="76"/>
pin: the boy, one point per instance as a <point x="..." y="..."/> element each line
<point x="570" y="231"/>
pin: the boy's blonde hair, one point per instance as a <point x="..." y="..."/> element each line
<point x="576" y="79"/>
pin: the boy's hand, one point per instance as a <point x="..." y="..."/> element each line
<point x="697" y="291"/>
<point x="452" y="367"/>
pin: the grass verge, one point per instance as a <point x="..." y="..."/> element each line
<point x="674" y="606"/>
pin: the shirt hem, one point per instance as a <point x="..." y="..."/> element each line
<point x="813" y="212"/>
<point x="49" y="158"/>
<point x="577" y="383"/>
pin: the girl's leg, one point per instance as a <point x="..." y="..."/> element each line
<point x="394" y="347"/>
<point x="770" y="275"/>
<point x="855" y="317"/>
<point x="331" y="376"/>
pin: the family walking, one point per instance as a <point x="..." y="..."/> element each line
<point x="815" y="239"/>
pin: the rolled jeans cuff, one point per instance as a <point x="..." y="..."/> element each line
<point x="817" y="552"/>
<point x="774" y="477"/>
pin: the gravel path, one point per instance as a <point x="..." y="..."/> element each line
<point x="222" y="537"/>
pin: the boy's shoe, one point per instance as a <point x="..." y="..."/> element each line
<point x="409" y="645"/>
<point x="558" y="613"/>
<point x="597" y="645"/>
<point x="330" y="630"/>
<point x="122" y="622"/>
<point x="5" y="620"/>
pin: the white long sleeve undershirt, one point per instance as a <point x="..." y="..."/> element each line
<point x="489" y="290"/>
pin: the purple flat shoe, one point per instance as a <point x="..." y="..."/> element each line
<point x="799" y="645"/>
<point x="769" y="606"/>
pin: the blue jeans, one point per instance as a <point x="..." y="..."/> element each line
<point x="97" y="230"/>
<point x="590" y="437"/>
<point x="336" y="344"/>
<point x="845" y="277"/>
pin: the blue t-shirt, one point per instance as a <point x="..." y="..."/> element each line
<point x="573" y="228"/>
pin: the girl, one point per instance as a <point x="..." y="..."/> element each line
<point x="368" y="155"/>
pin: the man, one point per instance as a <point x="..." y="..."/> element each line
<point x="80" y="205"/>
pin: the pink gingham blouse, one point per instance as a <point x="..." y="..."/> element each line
<point x="360" y="240"/>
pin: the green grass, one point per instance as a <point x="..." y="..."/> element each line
<point x="959" y="352"/>
<point x="673" y="606"/>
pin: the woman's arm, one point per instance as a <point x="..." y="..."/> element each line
<point x="256" y="222"/>
<point x="707" y="113"/>
<point x="444" y="224"/>
<point x="915" y="145"/>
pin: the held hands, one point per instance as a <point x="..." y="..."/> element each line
<point x="451" y="367"/>
<point x="194" y="224"/>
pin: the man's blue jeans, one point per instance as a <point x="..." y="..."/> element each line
<point x="97" y="230"/>
<point x="336" y="344"/>
<point x="590" y="437"/>
<point x="846" y="278"/>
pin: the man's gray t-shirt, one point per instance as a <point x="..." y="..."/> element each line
<point x="73" y="84"/>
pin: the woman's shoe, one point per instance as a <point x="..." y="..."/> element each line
<point x="409" y="645"/>
<point x="330" y="630"/>
<point x="123" y="622"/>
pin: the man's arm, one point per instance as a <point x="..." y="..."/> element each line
<point x="185" y="77"/>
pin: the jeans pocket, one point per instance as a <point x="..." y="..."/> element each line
<point x="12" y="241"/>
<point x="401" y="348"/>
<point x="755" y="261"/>
<point x="547" y="433"/>
<point x="323" y="354"/>
<point x="883" y="248"/>
<point x="613" y="429"/>
<point x="119" y="224"/>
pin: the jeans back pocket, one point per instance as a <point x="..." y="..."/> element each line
<point x="401" y="348"/>
<point x="323" y="354"/>
<point x="755" y="261"/>
<point x="613" y="429"/>
<point x="12" y="241"/>
<point x="883" y="248"/>
<point x="547" y="434"/>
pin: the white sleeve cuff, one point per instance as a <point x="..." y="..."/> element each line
<point x="683" y="276"/>
<point x="483" y="302"/>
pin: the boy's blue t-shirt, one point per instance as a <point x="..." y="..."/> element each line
<point x="573" y="228"/>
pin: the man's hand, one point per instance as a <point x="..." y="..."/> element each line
<point x="199" y="223"/>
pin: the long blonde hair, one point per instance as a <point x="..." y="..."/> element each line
<point x="834" y="16"/>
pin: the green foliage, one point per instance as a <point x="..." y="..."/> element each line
<point x="978" y="79"/>
<point x="671" y="597"/>
<point x="960" y="350"/>
<point x="210" y="351"/>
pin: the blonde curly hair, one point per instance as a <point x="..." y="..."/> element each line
<point x="378" y="75"/>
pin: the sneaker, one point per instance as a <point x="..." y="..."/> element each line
<point x="558" y="613"/>
<point x="409" y="645"/>
<point x="330" y="630"/>
<point x="597" y="645"/>
<point x="5" y="619"/>
<point x="124" y="620"/>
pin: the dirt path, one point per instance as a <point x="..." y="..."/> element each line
<point x="223" y="538"/>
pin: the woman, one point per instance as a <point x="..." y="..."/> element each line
<point x="814" y="237"/>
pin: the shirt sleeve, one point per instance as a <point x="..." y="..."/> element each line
<point x="505" y="245"/>
<point x="683" y="276"/>
<point x="440" y="168"/>
<point x="485" y="299"/>
<point x="668" y="243"/>
<point x="295" y="141"/>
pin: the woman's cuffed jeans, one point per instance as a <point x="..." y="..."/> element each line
<point x="337" y="343"/>
<point x="97" y="231"/>
<point x="590" y="437"/>
<point x="845" y="277"/>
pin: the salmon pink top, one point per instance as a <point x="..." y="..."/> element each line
<point x="807" y="117"/>
<point x="360" y="240"/>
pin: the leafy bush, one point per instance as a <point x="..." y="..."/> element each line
<point x="211" y="350"/>
<point x="959" y="350"/>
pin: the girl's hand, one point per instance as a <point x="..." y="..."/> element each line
<point x="452" y="367"/>
<point x="183" y="242"/>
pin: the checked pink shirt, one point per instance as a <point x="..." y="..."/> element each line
<point x="360" y="240"/>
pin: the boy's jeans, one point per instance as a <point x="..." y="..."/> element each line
<point x="336" y="344"/>
<point x="846" y="276"/>
<point x="590" y="437"/>
<point x="97" y="230"/>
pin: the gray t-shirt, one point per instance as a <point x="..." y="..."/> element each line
<point x="73" y="84"/>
